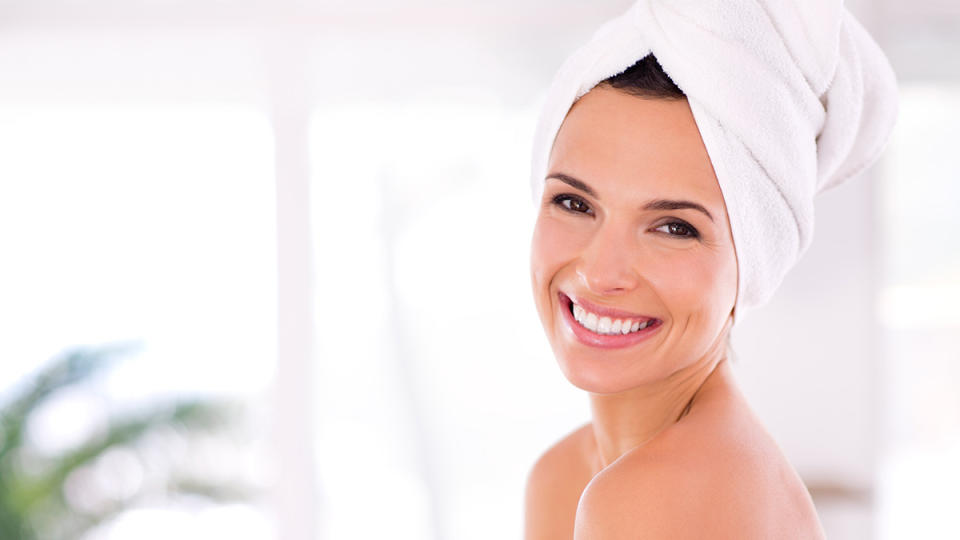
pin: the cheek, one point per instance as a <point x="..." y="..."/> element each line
<point x="553" y="246"/>
<point x="694" y="281"/>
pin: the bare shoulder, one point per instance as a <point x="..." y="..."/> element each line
<point x="573" y="448"/>
<point x="554" y="485"/>
<point x="718" y="475"/>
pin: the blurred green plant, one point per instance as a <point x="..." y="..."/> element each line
<point x="33" y="502"/>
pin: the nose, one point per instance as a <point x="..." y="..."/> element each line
<point x="608" y="264"/>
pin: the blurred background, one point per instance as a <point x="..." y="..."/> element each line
<point x="264" y="274"/>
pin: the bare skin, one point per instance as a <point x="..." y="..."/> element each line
<point x="719" y="419"/>
<point x="673" y="449"/>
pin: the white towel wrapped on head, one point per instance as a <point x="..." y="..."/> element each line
<point x="790" y="97"/>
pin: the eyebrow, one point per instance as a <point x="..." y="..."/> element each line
<point x="656" y="204"/>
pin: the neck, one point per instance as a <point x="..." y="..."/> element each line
<point x="628" y="419"/>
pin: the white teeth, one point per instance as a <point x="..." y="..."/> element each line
<point x="591" y="322"/>
<point x="606" y="325"/>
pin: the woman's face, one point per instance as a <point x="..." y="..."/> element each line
<point x="632" y="226"/>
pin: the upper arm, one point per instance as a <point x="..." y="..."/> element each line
<point x="536" y="494"/>
<point x="668" y="500"/>
<point x="537" y="486"/>
<point x="553" y="488"/>
<point x="543" y="516"/>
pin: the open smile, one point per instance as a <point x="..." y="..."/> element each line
<point x="602" y="327"/>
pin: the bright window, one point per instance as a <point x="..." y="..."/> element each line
<point x="148" y="222"/>
<point x="921" y="291"/>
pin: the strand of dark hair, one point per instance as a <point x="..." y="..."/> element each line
<point x="645" y="78"/>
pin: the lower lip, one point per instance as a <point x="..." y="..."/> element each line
<point x="604" y="341"/>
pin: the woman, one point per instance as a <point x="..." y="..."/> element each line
<point x="668" y="205"/>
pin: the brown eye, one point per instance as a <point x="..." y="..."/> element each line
<point x="679" y="229"/>
<point x="571" y="203"/>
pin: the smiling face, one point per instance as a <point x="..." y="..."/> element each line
<point x="620" y="234"/>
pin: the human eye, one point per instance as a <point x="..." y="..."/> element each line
<point x="572" y="203"/>
<point x="680" y="229"/>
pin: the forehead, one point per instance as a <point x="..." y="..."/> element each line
<point x="630" y="148"/>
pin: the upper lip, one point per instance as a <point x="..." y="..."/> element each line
<point x="609" y="312"/>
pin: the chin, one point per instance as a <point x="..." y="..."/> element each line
<point x="599" y="374"/>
